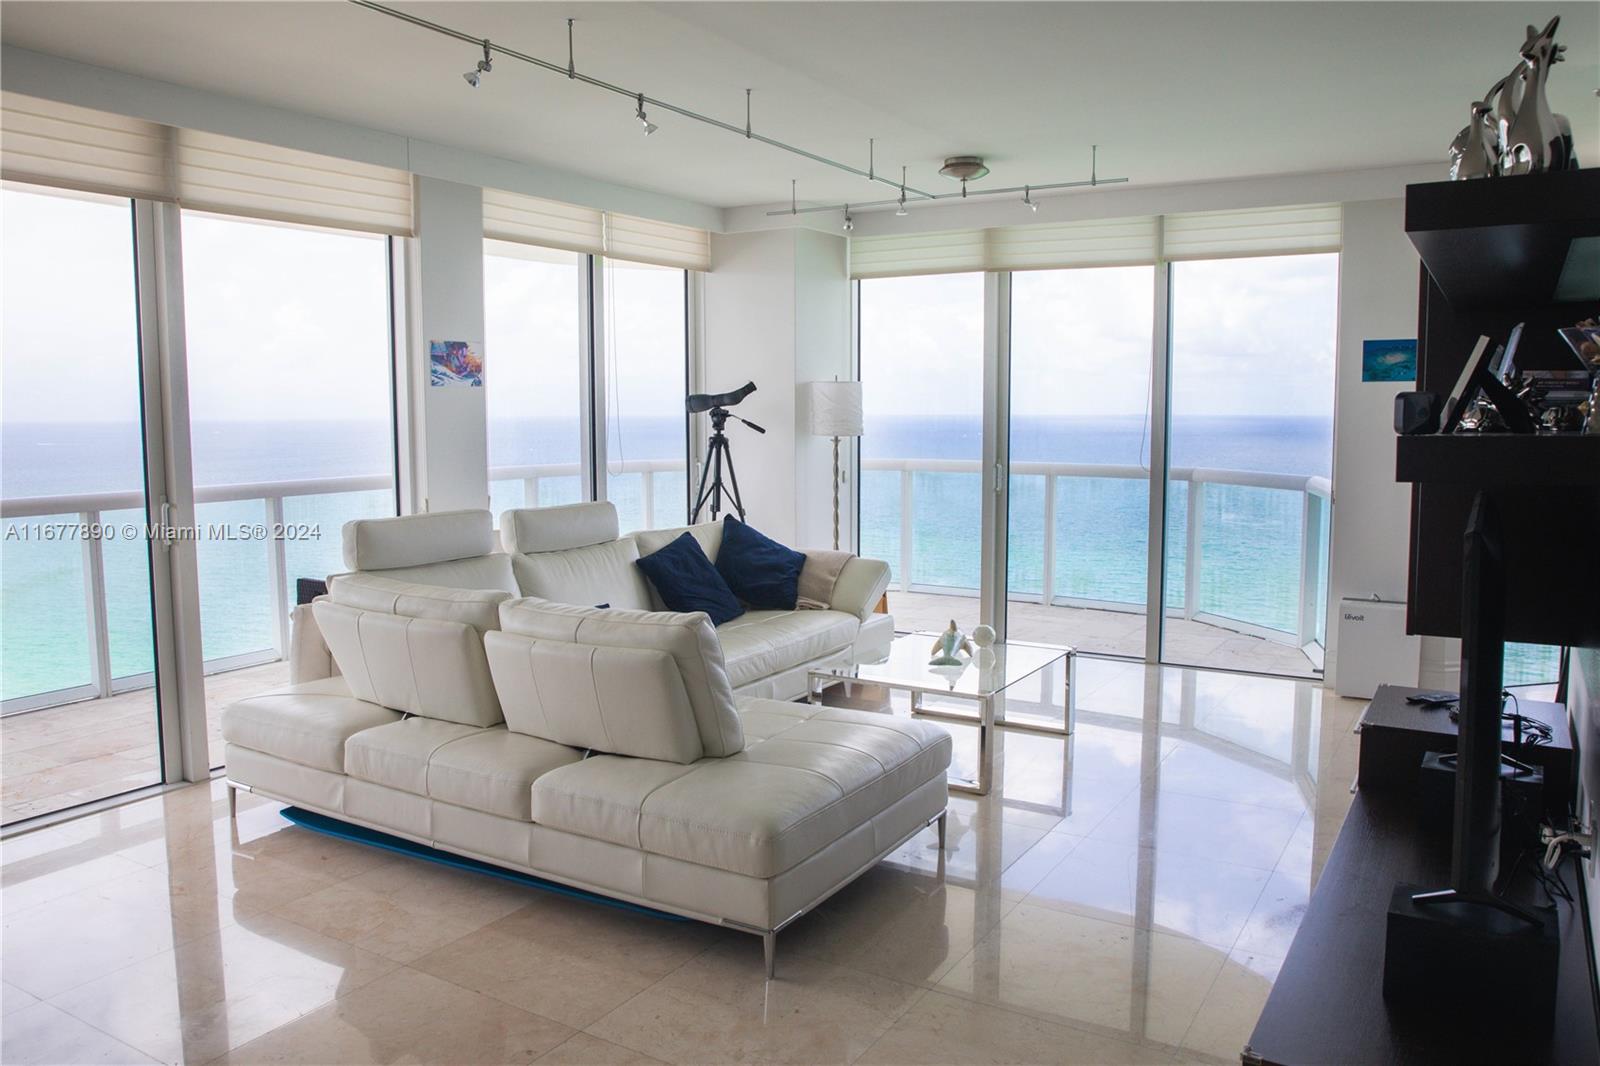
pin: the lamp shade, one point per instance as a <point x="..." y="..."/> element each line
<point x="835" y="408"/>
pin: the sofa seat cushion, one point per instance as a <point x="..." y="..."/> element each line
<point x="762" y="811"/>
<point x="759" y="644"/>
<point x="397" y="754"/>
<point x="306" y="724"/>
<point x="493" y="770"/>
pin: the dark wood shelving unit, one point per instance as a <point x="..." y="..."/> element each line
<point x="1495" y="253"/>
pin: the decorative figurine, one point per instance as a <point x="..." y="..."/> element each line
<point x="1512" y="129"/>
<point x="1475" y="153"/>
<point x="947" y="650"/>
<point x="983" y="636"/>
<point x="1535" y="139"/>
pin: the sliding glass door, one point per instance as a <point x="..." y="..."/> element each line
<point x="1251" y="446"/>
<point x="290" y="385"/>
<point x="1079" y="495"/>
<point x="921" y="352"/>
<point x="81" y="714"/>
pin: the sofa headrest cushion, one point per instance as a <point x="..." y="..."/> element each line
<point x="709" y="534"/>
<point x="553" y="529"/>
<point x="478" y="608"/>
<point x="417" y="539"/>
<point x="688" y="638"/>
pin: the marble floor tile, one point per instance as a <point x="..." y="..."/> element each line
<point x="719" y="1008"/>
<point x="1228" y="1014"/>
<point x="581" y="1049"/>
<point x="572" y="960"/>
<point x="1129" y="983"/>
<point x="1240" y="833"/>
<point x="215" y="993"/>
<point x="408" y="1017"/>
<point x="41" y="1035"/>
<point x="945" y="1028"/>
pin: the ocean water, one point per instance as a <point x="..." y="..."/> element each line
<point x="1249" y="546"/>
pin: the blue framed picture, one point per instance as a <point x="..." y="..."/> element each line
<point x="1394" y="360"/>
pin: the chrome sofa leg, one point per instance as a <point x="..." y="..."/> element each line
<point x="943" y="816"/>
<point x="769" y="949"/>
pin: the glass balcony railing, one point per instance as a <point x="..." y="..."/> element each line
<point x="1246" y="550"/>
<point x="77" y="608"/>
<point x="647" y="492"/>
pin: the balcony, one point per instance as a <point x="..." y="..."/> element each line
<point x="1246" y="557"/>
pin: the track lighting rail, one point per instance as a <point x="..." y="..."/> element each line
<point x="1026" y="190"/>
<point x="569" y="70"/>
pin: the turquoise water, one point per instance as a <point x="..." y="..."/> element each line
<point x="1249" y="550"/>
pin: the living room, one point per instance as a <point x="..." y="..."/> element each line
<point x="808" y="532"/>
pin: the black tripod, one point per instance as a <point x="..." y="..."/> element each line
<point x="718" y="451"/>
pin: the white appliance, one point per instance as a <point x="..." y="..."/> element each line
<point x="1374" y="647"/>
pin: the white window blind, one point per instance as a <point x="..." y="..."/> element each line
<point x="43" y="142"/>
<point x="1261" y="231"/>
<point x="896" y="255"/>
<point x="237" y="177"/>
<point x="1088" y="243"/>
<point x="510" y="216"/>
<point x="1102" y="242"/>
<point x="644" y="240"/>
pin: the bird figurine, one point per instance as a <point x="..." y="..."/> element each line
<point x="950" y="646"/>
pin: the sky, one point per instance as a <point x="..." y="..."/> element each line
<point x="1250" y="337"/>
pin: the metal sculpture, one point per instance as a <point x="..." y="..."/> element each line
<point x="1512" y="129"/>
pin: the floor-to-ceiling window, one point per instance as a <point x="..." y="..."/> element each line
<point x="646" y="368"/>
<point x="1251" y="454"/>
<point x="291" y="423"/>
<point x="1080" y="457"/>
<point x="921" y="353"/>
<point x="77" y="647"/>
<point x="533" y="308"/>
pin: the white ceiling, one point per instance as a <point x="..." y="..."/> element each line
<point x="1171" y="92"/>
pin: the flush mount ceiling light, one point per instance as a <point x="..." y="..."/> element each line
<point x="964" y="168"/>
<point x="570" y="70"/>
<point x="485" y="66"/>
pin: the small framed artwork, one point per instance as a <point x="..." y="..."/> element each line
<point x="455" y="364"/>
<point x="1394" y="360"/>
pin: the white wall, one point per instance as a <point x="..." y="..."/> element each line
<point x="445" y="289"/>
<point x="1378" y="278"/>
<point x="777" y="312"/>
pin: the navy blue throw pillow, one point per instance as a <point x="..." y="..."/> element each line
<point x="759" y="570"/>
<point x="686" y="581"/>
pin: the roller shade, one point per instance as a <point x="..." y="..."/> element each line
<point x="43" y="142"/>
<point x="510" y="216"/>
<point x="951" y="252"/>
<point x="642" y="240"/>
<point x="235" y="177"/>
<point x="1262" y="231"/>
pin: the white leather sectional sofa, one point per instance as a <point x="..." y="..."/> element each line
<point x="603" y="748"/>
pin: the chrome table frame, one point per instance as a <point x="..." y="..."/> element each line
<point x="985" y="719"/>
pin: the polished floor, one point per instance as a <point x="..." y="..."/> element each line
<point x="1098" y="632"/>
<point x="1125" y="895"/>
<point x="59" y="757"/>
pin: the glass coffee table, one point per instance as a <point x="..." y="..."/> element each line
<point x="981" y="680"/>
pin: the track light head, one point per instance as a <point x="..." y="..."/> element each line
<point x="485" y="66"/>
<point x="1028" y="200"/>
<point x="644" y="120"/>
<point x="849" y="223"/>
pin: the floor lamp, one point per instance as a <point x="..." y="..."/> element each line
<point x="835" y="408"/>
